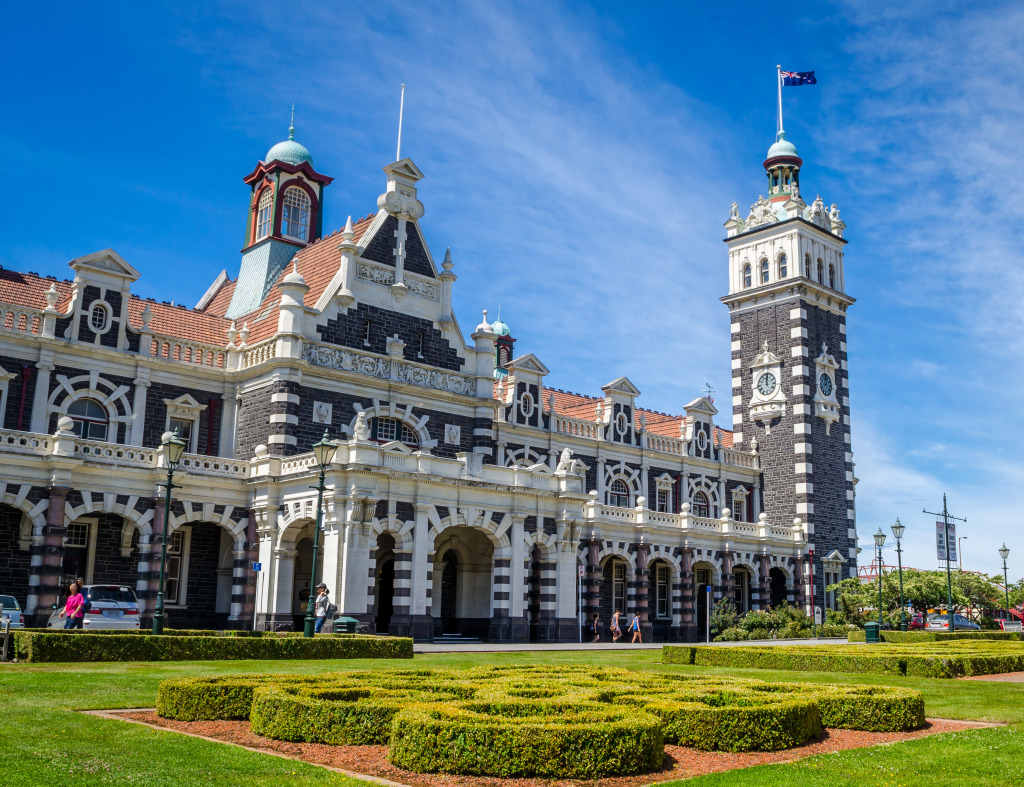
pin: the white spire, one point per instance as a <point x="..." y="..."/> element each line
<point x="401" y="107"/>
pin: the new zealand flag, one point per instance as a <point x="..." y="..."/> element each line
<point x="794" y="78"/>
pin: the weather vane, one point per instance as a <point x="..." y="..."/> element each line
<point x="709" y="392"/>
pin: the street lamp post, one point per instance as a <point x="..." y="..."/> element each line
<point x="174" y="447"/>
<point x="960" y="554"/>
<point x="879" y="542"/>
<point x="324" y="452"/>
<point x="897" y="531"/>
<point x="1005" y="553"/>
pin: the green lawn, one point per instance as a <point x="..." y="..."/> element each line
<point x="42" y="742"/>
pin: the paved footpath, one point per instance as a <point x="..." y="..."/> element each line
<point x="522" y="647"/>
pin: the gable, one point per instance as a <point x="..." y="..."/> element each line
<point x="528" y="363"/>
<point x="108" y="262"/>
<point x="381" y="247"/>
<point x="417" y="260"/>
<point x="701" y="405"/>
<point x="621" y="385"/>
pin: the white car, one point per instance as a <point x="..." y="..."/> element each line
<point x="110" y="607"/>
<point x="10" y="610"/>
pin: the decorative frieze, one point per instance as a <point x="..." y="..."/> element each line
<point x="385" y="276"/>
<point x="387" y="369"/>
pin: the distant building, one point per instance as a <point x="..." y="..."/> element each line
<point x="467" y="497"/>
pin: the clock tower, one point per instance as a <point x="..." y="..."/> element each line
<point x="787" y="303"/>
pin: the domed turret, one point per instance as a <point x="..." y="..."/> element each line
<point x="783" y="168"/>
<point x="501" y="328"/>
<point x="290" y="151"/>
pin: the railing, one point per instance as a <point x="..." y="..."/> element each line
<point x="623" y="514"/>
<point x="705" y="523"/>
<point x="259" y="353"/>
<point x="667" y="445"/>
<point x="298" y="464"/>
<point x="574" y="427"/>
<point x="18" y="319"/>
<point x="738" y="458"/>
<point x="194" y="353"/>
<point x="123" y="455"/>
<point x="212" y="465"/>
<point x="25" y="442"/>
<point x="655" y="518"/>
<point x="397" y="461"/>
<point x="743" y="527"/>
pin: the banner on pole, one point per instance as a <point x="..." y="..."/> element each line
<point x="940" y="541"/>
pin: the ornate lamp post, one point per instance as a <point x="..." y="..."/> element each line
<point x="897" y="531"/>
<point x="879" y="543"/>
<point x="1005" y="553"/>
<point x="324" y="452"/>
<point x="174" y="447"/>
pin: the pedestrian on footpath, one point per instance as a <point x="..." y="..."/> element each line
<point x="596" y="629"/>
<point x="635" y="628"/>
<point x="74" y="612"/>
<point x="616" y="628"/>
<point x="323" y="603"/>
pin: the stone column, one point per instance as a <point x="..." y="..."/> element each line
<point x="500" y="628"/>
<point x="280" y="591"/>
<point x="142" y="384"/>
<point x="728" y="588"/>
<point x="421" y="620"/>
<point x="643" y="586"/>
<point x="47" y="559"/>
<point x="687" y="612"/>
<point x="593" y="585"/>
<point x="38" y="422"/>
<point x="244" y="579"/>
<point x="519" y="559"/>
<point x="799" y="594"/>
<point x="764" y="566"/>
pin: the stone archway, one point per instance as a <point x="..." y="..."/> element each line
<point x="461" y="596"/>
<point x="384" y="582"/>
<point x="779" y="587"/>
<point x="16" y="565"/>
<point x="704" y="575"/>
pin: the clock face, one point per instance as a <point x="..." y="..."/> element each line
<point x="766" y="383"/>
<point x="825" y="385"/>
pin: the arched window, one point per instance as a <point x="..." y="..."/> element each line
<point x="295" y="217"/>
<point x="700" y="504"/>
<point x="783" y="266"/>
<point x="746" y="275"/>
<point x="618" y="494"/>
<point x="385" y="430"/>
<point x="264" y="213"/>
<point x="807" y="266"/>
<point x="764" y="271"/>
<point x="90" y="419"/>
<point x="831" y="275"/>
<point x="98" y="318"/>
<point x="821" y="272"/>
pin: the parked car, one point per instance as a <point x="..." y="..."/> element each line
<point x="110" y="607"/>
<point x="916" y="623"/>
<point x="11" y="610"/>
<point x="1008" y="625"/>
<point x="960" y="623"/>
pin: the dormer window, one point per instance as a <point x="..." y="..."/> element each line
<point x="746" y="275"/>
<point x="764" y="271"/>
<point x="99" y="318"/>
<point x="264" y="214"/>
<point x="295" y="218"/>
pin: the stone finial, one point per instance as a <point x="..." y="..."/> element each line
<point x="52" y="296"/>
<point x="65" y="424"/>
<point x="243" y="334"/>
<point x="147" y="317"/>
<point x="448" y="264"/>
<point x="551" y="402"/>
<point x="232" y="333"/>
<point x="484" y="326"/>
<point x="348" y="233"/>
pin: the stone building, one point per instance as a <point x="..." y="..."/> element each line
<point x="467" y="497"/>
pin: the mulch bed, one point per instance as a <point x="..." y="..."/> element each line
<point x="680" y="762"/>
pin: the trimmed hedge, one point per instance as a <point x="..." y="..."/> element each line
<point x="558" y="722"/>
<point x="86" y="646"/>
<point x="527" y="739"/>
<point x="931" y="660"/>
<point x="905" y="637"/>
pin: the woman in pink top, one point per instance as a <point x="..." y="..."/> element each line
<point x="74" y="611"/>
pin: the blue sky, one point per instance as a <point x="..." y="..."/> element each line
<point x="580" y="161"/>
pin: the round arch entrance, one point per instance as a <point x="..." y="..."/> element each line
<point x="302" y="569"/>
<point x="778" y="591"/>
<point x="384" y="583"/>
<point x="461" y="587"/>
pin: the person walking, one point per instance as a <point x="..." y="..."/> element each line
<point x="616" y="627"/>
<point x="323" y="602"/>
<point x="596" y="629"/>
<point x="635" y="628"/>
<point x="74" y="608"/>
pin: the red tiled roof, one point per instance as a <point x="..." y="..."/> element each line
<point x="317" y="263"/>
<point x="221" y="299"/>
<point x="179" y="322"/>
<point x="575" y="405"/>
<point x="29" y="289"/>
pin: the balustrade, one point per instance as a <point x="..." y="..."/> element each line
<point x="260" y="353"/>
<point x="20" y="320"/>
<point x="193" y="353"/>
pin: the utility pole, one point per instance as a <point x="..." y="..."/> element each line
<point x="946" y="516"/>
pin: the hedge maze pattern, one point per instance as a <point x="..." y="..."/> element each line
<point x="556" y="722"/>
<point x="943" y="659"/>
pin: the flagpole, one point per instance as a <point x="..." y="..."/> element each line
<point x="778" y="73"/>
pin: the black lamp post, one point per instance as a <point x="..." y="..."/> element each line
<point x="1005" y="553"/>
<point x="324" y="452"/>
<point x="897" y="531"/>
<point x="879" y="542"/>
<point x="174" y="447"/>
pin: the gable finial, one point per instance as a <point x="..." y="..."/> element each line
<point x="291" y="126"/>
<point x="401" y="108"/>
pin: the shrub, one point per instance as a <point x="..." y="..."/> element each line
<point x="86" y="646"/>
<point x="871" y="708"/>
<point x="734" y="634"/>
